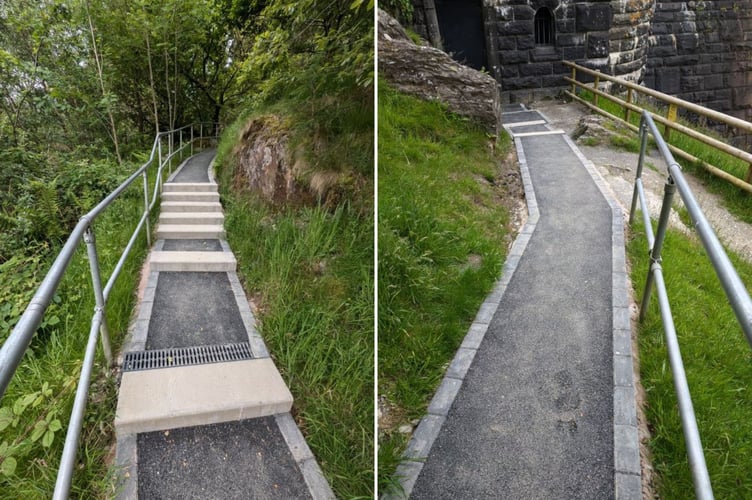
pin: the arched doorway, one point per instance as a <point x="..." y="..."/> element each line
<point x="462" y="34"/>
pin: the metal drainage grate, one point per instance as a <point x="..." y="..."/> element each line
<point x="185" y="356"/>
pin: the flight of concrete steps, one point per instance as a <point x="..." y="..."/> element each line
<point x="173" y="397"/>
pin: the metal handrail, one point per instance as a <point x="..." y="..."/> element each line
<point x="15" y="346"/>
<point x="735" y="290"/>
<point x="669" y="121"/>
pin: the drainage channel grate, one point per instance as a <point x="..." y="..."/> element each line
<point x="185" y="356"/>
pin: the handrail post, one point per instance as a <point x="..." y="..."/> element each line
<point x="169" y="150"/>
<point x="181" y="144"/>
<point x="627" y="111"/>
<point x="146" y="209"/>
<point x="660" y="236"/>
<point x="574" y="79"/>
<point x="596" y="83"/>
<point x="191" y="139"/>
<point x="640" y="164"/>
<point x="96" y="281"/>
<point x="671" y="116"/>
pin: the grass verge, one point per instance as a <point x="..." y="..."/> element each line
<point x="717" y="359"/>
<point x="308" y="271"/>
<point x="442" y="238"/>
<point x="37" y="404"/>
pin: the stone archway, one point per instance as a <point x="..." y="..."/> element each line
<point x="462" y="32"/>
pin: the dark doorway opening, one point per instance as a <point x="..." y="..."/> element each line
<point x="545" y="33"/>
<point x="461" y="27"/>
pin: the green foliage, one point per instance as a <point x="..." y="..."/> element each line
<point x="309" y="273"/>
<point x="441" y="246"/>
<point x="311" y="49"/>
<point x="716" y="359"/>
<point x="402" y="10"/>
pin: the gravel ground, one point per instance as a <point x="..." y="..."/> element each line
<point x="618" y="169"/>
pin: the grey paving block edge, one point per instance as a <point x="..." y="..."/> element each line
<point x="425" y="434"/>
<point x="627" y="471"/>
<point x="126" y="466"/>
<point x="317" y="484"/>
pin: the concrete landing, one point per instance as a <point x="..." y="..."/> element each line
<point x="190" y="196"/>
<point x="192" y="261"/>
<point x="152" y="400"/>
<point x="183" y="187"/>
<point x="189" y="231"/>
<point x="191" y="206"/>
<point x="527" y="407"/>
<point x="204" y="218"/>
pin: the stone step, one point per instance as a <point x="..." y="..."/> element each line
<point x="191" y="218"/>
<point x="193" y="261"/>
<point x="185" y="396"/>
<point x="184" y="187"/>
<point x="190" y="206"/>
<point x="190" y="196"/>
<point x="189" y="231"/>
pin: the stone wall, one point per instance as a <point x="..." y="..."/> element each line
<point x="609" y="35"/>
<point x="701" y="51"/>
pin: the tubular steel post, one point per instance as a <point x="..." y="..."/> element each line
<point x="191" y="139"/>
<point x="169" y="151"/>
<point x="660" y="235"/>
<point x="68" y="459"/>
<point x="640" y="164"/>
<point x="146" y="209"/>
<point x="96" y="281"/>
<point x="700" y="477"/>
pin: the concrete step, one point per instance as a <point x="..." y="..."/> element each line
<point x="190" y="196"/>
<point x="168" y="398"/>
<point x="190" y="206"/>
<point x="184" y="187"/>
<point x="191" y="218"/>
<point x="189" y="231"/>
<point x="193" y="261"/>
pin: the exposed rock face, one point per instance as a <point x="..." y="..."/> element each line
<point x="264" y="162"/>
<point x="430" y="74"/>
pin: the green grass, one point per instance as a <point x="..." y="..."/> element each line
<point x="51" y="366"/>
<point x="737" y="201"/>
<point x="439" y="210"/>
<point x="309" y="271"/>
<point x="718" y="362"/>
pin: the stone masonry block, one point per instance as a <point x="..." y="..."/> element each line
<point x="593" y="17"/>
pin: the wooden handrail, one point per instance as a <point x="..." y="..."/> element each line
<point x="669" y="121"/>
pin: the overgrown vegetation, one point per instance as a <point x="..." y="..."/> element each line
<point x="736" y="200"/>
<point x="717" y="359"/>
<point x="442" y="234"/>
<point x="84" y="85"/>
<point x="309" y="268"/>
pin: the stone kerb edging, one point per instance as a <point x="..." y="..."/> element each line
<point x="627" y="472"/>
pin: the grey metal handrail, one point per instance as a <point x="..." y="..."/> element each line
<point x="735" y="290"/>
<point x="15" y="346"/>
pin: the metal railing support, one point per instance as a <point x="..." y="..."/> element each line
<point x="15" y="346"/>
<point x="660" y="236"/>
<point x="96" y="283"/>
<point x="146" y="208"/>
<point x="735" y="290"/>
<point x="68" y="459"/>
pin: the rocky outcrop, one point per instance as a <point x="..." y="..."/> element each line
<point x="430" y="74"/>
<point x="264" y="162"/>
